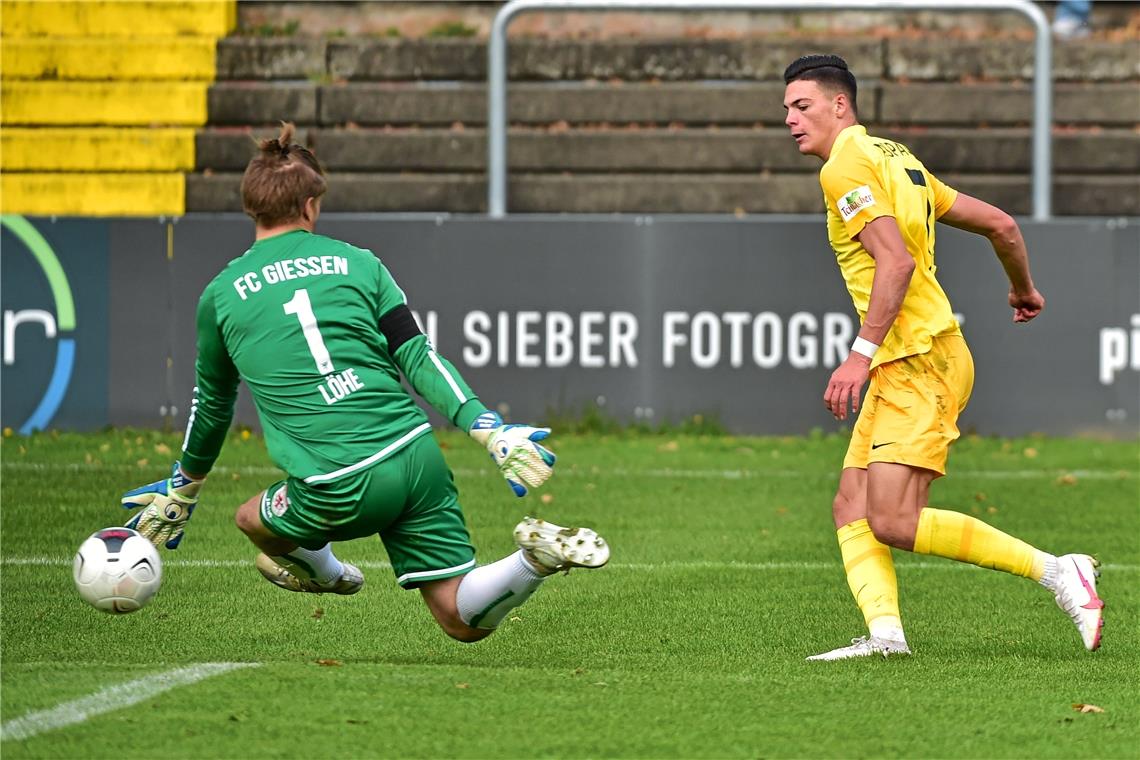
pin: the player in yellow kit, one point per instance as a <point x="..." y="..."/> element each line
<point x="882" y="205"/>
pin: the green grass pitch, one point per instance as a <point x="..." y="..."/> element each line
<point x="725" y="574"/>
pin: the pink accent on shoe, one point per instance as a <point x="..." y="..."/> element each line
<point x="1094" y="602"/>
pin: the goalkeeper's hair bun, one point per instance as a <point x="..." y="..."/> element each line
<point x="806" y="63"/>
<point x="280" y="146"/>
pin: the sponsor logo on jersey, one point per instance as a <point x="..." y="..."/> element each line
<point x="851" y="203"/>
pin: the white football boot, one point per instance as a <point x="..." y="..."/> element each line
<point x="350" y="581"/>
<point x="863" y="647"/>
<point x="1075" y="592"/>
<point x="556" y="548"/>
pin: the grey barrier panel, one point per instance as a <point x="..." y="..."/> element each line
<point x="54" y="292"/>
<point x="622" y="312"/>
<point x="652" y="319"/>
<point x="139" y="323"/>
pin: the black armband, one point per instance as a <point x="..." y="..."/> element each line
<point x="399" y="326"/>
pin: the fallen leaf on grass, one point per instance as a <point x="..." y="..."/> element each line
<point x="1087" y="708"/>
<point x="1030" y="453"/>
<point x="462" y="685"/>
<point x="329" y="663"/>
<point x="318" y="613"/>
<point x="1068" y="479"/>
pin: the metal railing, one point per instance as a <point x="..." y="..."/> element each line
<point x="1042" y="168"/>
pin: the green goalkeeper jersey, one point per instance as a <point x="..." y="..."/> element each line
<point x="319" y="331"/>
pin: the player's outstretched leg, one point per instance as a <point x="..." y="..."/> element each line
<point x="1073" y="583"/>
<point x="485" y="595"/>
<point x="292" y="573"/>
<point x="555" y="548"/>
<point x="1071" y="578"/>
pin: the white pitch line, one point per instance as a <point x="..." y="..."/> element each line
<point x="636" y="566"/>
<point x="112" y="698"/>
<point x="587" y="472"/>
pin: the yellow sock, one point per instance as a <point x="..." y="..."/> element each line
<point x="957" y="536"/>
<point x="871" y="576"/>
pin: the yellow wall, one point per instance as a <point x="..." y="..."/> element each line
<point x="99" y="100"/>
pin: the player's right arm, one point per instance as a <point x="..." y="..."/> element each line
<point x="853" y="190"/>
<point x="168" y="504"/>
<point x="212" y="409"/>
<point x="977" y="216"/>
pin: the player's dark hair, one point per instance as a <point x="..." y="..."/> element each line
<point x="829" y="71"/>
<point x="279" y="179"/>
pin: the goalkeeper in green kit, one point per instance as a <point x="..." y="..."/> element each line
<point x="320" y="333"/>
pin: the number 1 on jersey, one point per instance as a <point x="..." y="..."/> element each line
<point x="300" y="305"/>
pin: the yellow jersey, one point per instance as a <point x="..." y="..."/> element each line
<point x="864" y="178"/>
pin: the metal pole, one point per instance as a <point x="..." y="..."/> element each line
<point x="497" y="69"/>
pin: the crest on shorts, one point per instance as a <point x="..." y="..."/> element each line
<point x="280" y="503"/>
<point x="853" y="202"/>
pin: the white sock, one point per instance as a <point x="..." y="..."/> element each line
<point x="488" y="593"/>
<point x="320" y="565"/>
<point x="1049" y="577"/>
<point x="887" y="627"/>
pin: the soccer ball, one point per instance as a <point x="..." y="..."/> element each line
<point x="117" y="570"/>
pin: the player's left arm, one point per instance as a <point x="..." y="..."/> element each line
<point x="515" y="449"/>
<point x="973" y="215"/>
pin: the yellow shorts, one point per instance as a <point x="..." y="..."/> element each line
<point x="910" y="414"/>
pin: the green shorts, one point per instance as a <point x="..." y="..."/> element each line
<point x="408" y="498"/>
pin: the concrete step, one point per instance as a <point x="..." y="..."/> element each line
<point x="727" y="149"/>
<point x="118" y="18"/>
<point x="725" y="102"/>
<point x="253" y="103"/>
<point x="1087" y="60"/>
<point x="95" y="58"/>
<point x="633" y="59"/>
<point x="115" y="103"/>
<point x="268" y="58"/>
<point x="559" y="60"/>
<point x="93" y="194"/>
<point x="989" y="103"/>
<point x="653" y="193"/>
<point x="97" y="149"/>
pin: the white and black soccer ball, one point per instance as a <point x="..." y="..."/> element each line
<point x="117" y="570"/>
